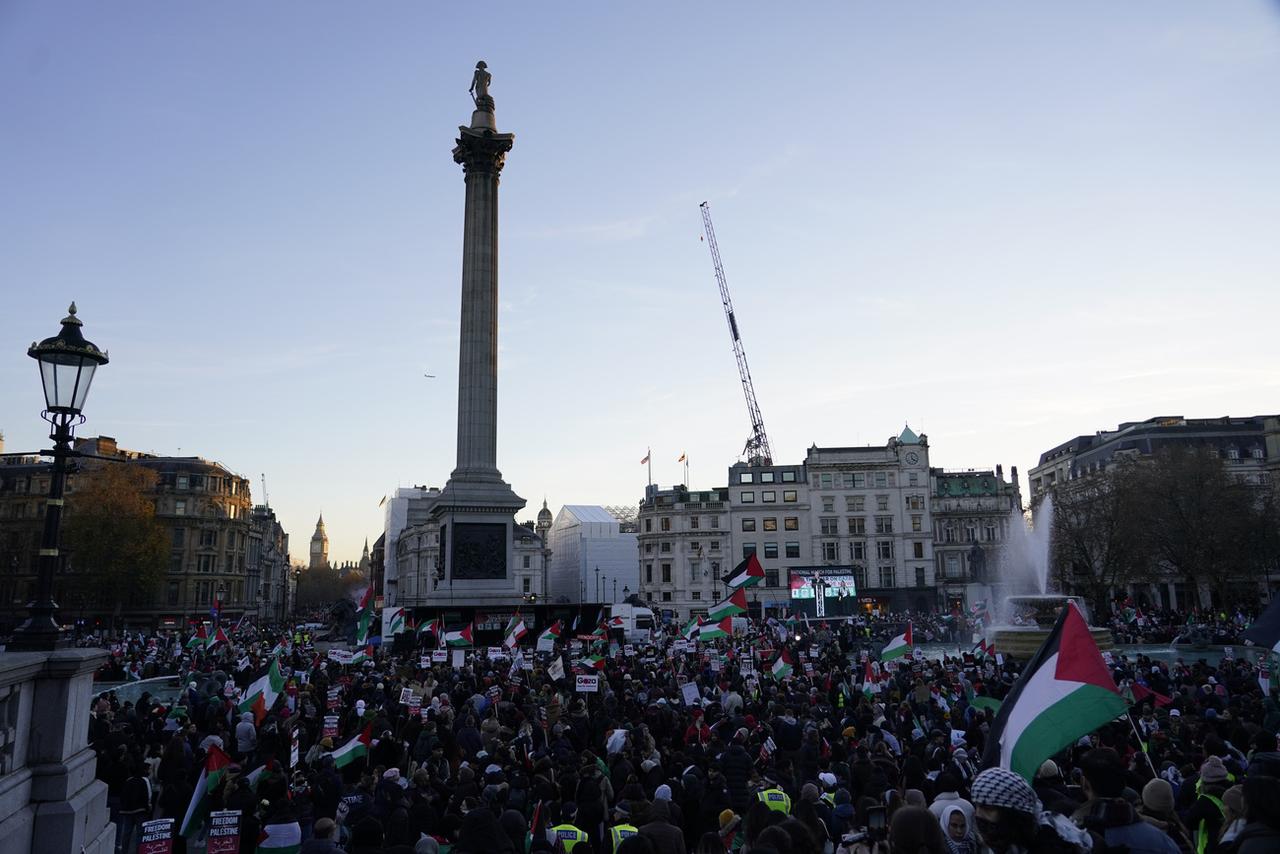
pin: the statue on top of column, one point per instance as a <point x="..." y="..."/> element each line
<point x="480" y="87"/>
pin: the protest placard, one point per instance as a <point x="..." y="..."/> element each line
<point x="587" y="684"/>
<point x="690" y="693"/>
<point x="406" y="694"/>
<point x="224" y="832"/>
<point x="157" y="837"/>
<point x="459" y="658"/>
<point x="439" y="656"/>
<point x="330" y="729"/>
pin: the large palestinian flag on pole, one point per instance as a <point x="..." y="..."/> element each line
<point x="261" y="695"/>
<point x="462" y="637"/>
<point x="364" y="617"/>
<point x="1265" y="631"/>
<point x="215" y="766"/>
<point x="552" y="633"/>
<point x="749" y="573"/>
<point x="1065" y="692"/>
<point x="354" y="749"/>
<point x="898" y="647"/>
<point x="712" y="631"/>
<point x="734" y="605"/>
<point x="516" y="629"/>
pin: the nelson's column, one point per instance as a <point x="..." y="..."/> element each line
<point x="476" y="509"/>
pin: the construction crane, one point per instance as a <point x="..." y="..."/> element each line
<point x="266" y="502"/>
<point x="757" y="450"/>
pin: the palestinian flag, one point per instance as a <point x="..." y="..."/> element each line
<point x="1136" y="694"/>
<point x="552" y="633"/>
<point x="362" y="655"/>
<point x="215" y="766"/>
<point x="200" y="640"/>
<point x="781" y="667"/>
<point x="354" y="749"/>
<point x="749" y="573"/>
<point x="734" y="605"/>
<point x="690" y="631"/>
<point x="516" y="629"/>
<point x="261" y="695"/>
<point x="1265" y="631"/>
<point x="870" y="684"/>
<point x="459" y="638"/>
<point x="216" y="638"/>
<point x="392" y="621"/>
<point x="592" y="662"/>
<point x="979" y="701"/>
<point x="713" y="631"/>
<point x="432" y="627"/>
<point x="280" y="839"/>
<point x="617" y="623"/>
<point x="1065" y="692"/>
<point x="364" y="617"/>
<point x="898" y="647"/>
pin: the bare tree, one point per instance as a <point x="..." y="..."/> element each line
<point x="1097" y="542"/>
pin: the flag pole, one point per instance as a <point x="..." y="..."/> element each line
<point x="1141" y="744"/>
<point x="648" y="458"/>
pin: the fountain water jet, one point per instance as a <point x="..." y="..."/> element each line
<point x="1027" y="617"/>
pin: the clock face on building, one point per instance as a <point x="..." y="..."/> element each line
<point x="913" y="458"/>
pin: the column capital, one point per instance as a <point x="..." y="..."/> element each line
<point x="482" y="151"/>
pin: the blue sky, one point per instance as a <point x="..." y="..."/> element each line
<point x="1006" y="223"/>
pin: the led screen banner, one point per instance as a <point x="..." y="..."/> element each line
<point x="838" y="582"/>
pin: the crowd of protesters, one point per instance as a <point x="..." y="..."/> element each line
<point x="505" y="754"/>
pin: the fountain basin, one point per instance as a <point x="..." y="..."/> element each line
<point x="1037" y="614"/>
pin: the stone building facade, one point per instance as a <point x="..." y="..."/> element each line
<point x="684" y="548"/>
<point x="205" y="509"/>
<point x="974" y="515"/>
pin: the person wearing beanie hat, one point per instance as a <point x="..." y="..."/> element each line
<point x="1158" y="810"/>
<point x="1232" y="815"/>
<point x="1205" y="818"/>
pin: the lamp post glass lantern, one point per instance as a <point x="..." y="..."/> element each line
<point x="67" y="366"/>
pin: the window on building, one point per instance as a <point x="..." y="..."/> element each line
<point x="648" y="525"/>
<point x="990" y="533"/>
<point x="183" y="481"/>
<point x="1256" y="453"/>
<point x="859" y="577"/>
<point x="788" y="477"/>
<point x="715" y="522"/>
<point x="791" y="523"/>
<point x="771" y="523"/>
<point x="886" y="576"/>
<point x="695" y="595"/>
<point x="747" y="497"/>
<point x="664" y="524"/>
<point x="694" y="567"/>
<point x="180" y="507"/>
<point x="666" y="573"/>
<point x="789" y="495"/>
<point x="917" y="550"/>
<point x="952" y="567"/>
<point x="948" y="534"/>
<point x="175" y="562"/>
<point x="766" y="477"/>
<point x="748" y="524"/>
<point x="792" y="549"/>
<point x="830" y="550"/>
<point x="858" y="550"/>
<point x="771" y="578"/>
<point x="881" y="479"/>
<point x="648" y="548"/>
<point x="882" y="503"/>
<point x="917" y="523"/>
<point x="715" y="569"/>
<point x="171" y="592"/>
<point x="666" y="595"/>
<point x="828" y="504"/>
<point x="913" y="479"/>
<point x="771" y="550"/>
<point x="205" y="563"/>
<point x="854" y="503"/>
<point x="825" y="480"/>
<point x="915" y="502"/>
<point x="857" y="525"/>
<point x="768" y="496"/>
<point x="827" y="526"/>
<point x="884" y="524"/>
<point x="919" y="576"/>
<point x="526" y="561"/>
<point x="693" y="522"/>
<point x="648" y="573"/>
<point x="205" y="589"/>
<point x="715" y="545"/>
<point x="970" y="533"/>
<point x="230" y="564"/>
<point x="884" y="549"/>
<point x="665" y="548"/>
<point x="748" y="549"/>
<point x="179" y="537"/>
<point x="1233" y="453"/>
<point x="746" y="477"/>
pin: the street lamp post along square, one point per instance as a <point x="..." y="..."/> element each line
<point x="67" y="365"/>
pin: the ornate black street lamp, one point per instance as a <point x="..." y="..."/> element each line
<point x="67" y="365"/>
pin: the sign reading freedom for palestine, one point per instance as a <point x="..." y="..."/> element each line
<point x="157" y="837"/>
<point x="224" y="832"/>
